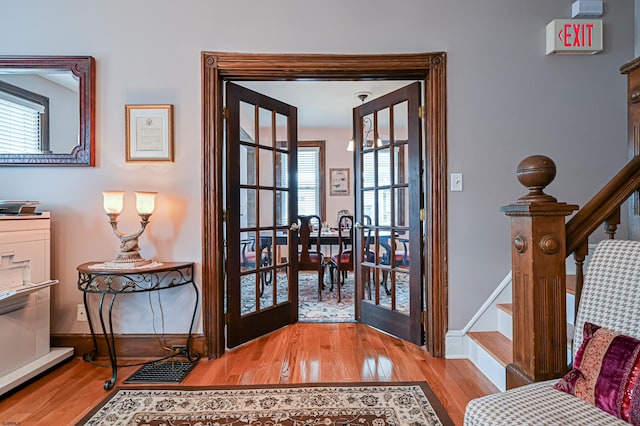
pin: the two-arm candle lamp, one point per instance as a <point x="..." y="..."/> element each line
<point x="129" y="256"/>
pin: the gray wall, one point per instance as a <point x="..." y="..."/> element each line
<point x="506" y="100"/>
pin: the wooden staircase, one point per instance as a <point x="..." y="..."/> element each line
<point x="541" y="241"/>
<point x="492" y="351"/>
<point x="542" y="238"/>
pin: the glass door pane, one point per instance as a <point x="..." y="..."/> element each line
<point x="261" y="152"/>
<point x="388" y="205"/>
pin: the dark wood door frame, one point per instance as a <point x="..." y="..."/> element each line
<point x="218" y="67"/>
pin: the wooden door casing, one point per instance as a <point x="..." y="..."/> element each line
<point x="430" y="68"/>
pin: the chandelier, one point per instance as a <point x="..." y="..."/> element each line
<point x="367" y="126"/>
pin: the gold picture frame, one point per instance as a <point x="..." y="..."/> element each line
<point x="339" y="181"/>
<point x="149" y="132"/>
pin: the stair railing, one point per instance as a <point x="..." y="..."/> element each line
<point x="603" y="208"/>
<point x="541" y="242"/>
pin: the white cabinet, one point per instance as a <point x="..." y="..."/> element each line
<point x="25" y="288"/>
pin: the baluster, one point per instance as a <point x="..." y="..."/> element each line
<point x="611" y="224"/>
<point x="579" y="255"/>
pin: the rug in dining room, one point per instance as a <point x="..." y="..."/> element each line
<point x="310" y="309"/>
<point x="379" y="404"/>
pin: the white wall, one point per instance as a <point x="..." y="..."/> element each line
<point x="506" y="100"/>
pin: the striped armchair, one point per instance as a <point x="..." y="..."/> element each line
<point x="610" y="298"/>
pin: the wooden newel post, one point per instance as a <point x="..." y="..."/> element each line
<point x="538" y="277"/>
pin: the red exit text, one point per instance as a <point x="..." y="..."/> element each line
<point x="577" y="35"/>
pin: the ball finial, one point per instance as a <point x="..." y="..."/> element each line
<point x="536" y="172"/>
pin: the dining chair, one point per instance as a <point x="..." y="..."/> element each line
<point x="310" y="257"/>
<point x="369" y="254"/>
<point x="341" y="213"/>
<point x="249" y="255"/>
<point x="342" y="262"/>
<point x="401" y="257"/>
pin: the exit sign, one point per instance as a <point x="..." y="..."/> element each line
<point x="581" y="36"/>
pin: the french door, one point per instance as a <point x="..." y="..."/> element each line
<point x="261" y="274"/>
<point x="388" y="188"/>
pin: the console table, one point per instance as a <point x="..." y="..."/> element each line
<point x="109" y="283"/>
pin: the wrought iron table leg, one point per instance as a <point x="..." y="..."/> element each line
<point x="187" y="351"/>
<point x="110" y="341"/>
<point x="91" y="356"/>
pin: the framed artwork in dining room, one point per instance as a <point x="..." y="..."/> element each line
<point x="339" y="181"/>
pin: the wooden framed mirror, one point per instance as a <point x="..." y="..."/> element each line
<point x="47" y="110"/>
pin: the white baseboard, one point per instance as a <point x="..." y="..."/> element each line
<point x="456" y="345"/>
<point x="456" y="341"/>
<point x="487" y="316"/>
<point x="21" y="375"/>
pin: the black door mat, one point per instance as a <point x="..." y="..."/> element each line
<point x="161" y="372"/>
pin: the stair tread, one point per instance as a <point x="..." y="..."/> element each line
<point x="506" y="307"/>
<point x="496" y="344"/>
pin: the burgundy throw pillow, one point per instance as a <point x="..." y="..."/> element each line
<point x="606" y="372"/>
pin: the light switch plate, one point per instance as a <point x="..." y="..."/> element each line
<point x="456" y="182"/>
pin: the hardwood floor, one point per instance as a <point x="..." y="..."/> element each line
<point x="301" y="353"/>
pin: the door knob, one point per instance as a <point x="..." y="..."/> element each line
<point x="358" y="225"/>
<point x="294" y="227"/>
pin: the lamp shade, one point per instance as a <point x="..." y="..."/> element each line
<point x="113" y="201"/>
<point x="145" y="202"/>
<point x="350" y="145"/>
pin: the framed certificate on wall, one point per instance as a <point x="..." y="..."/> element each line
<point x="149" y="130"/>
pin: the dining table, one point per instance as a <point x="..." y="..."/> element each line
<point x="327" y="238"/>
<point x="330" y="238"/>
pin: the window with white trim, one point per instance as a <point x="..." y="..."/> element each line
<point x="311" y="177"/>
<point x="308" y="181"/>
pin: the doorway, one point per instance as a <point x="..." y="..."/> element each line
<point x="427" y="67"/>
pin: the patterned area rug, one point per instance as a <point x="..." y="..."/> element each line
<point x="337" y="404"/>
<point x="329" y="309"/>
